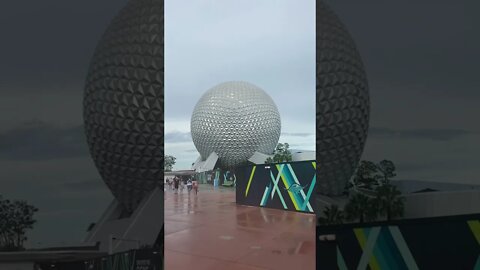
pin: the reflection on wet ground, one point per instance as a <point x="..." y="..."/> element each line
<point x="209" y="231"/>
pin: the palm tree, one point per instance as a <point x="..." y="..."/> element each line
<point x="361" y="207"/>
<point x="332" y="215"/>
<point x="389" y="201"/>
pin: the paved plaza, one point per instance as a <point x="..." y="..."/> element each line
<point x="210" y="231"/>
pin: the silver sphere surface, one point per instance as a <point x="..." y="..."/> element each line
<point x="342" y="103"/>
<point x="235" y="119"/>
<point x="123" y="102"/>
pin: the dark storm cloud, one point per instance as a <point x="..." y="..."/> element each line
<point x="86" y="185"/>
<point x="38" y="140"/>
<point x="413" y="166"/>
<point x="453" y="164"/>
<point x="424" y="134"/>
<point x="428" y="165"/>
<point x="50" y="43"/>
<point x="421" y="59"/>
<point x="431" y="43"/>
<point x="45" y="50"/>
<point x="442" y="169"/>
<point x="65" y="192"/>
<point x="177" y="136"/>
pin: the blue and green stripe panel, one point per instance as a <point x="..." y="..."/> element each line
<point x="287" y="186"/>
<point x="428" y="243"/>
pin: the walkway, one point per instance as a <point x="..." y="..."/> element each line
<point x="209" y="231"/>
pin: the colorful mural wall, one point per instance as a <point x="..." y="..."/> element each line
<point x="429" y="243"/>
<point x="287" y="186"/>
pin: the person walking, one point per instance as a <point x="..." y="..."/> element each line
<point x="189" y="185"/>
<point x="195" y="186"/>
<point x="170" y="183"/>
<point x="176" y="182"/>
<point x="182" y="186"/>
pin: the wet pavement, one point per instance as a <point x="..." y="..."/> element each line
<point x="209" y="231"/>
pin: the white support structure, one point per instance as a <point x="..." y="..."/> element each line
<point x="206" y="165"/>
<point x="259" y="158"/>
<point x="142" y="227"/>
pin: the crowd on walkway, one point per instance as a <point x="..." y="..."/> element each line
<point x="178" y="184"/>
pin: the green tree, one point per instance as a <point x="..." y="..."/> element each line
<point x="169" y="161"/>
<point x="366" y="175"/>
<point x="16" y="217"/>
<point x="386" y="168"/>
<point x="385" y="199"/>
<point x="361" y="208"/>
<point x="281" y="154"/>
<point x="269" y="160"/>
<point x="332" y="215"/>
<point x="370" y="174"/>
<point x="390" y="201"/>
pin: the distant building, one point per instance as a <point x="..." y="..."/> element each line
<point x="426" y="198"/>
<point x="301" y="155"/>
<point x="434" y="199"/>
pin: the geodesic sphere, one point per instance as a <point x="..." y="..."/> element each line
<point x="342" y="103"/>
<point x="235" y="119"/>
<point x="123" y="102"/>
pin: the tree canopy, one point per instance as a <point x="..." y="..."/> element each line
<point x="169" y="161"/>
<point x="332" y="215"/>
<point x="385" y="199"/>
<point x="370" y="175"/>
<point x="387" y="170"/>
<point x="281" y="154"/>
<point x="16" y="217"/>
<point x="389" y="201"/>
<point x="360" y="208"/>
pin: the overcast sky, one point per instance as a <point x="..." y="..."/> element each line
<point x="421" y="61"/>
<point x="45" y="50"/>
<point x="270" y="43"/>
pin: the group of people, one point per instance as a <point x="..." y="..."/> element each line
<point x="178" y="184"/>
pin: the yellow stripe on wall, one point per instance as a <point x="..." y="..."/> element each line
<point x="475" y="227"/>
<point x="289" y="192"/>
<point x="250" y="181"/>
<point x="362" y="240"/>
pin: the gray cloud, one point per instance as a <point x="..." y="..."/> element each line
<point x="298" y="134"/>
<point x="441" y="54"/>
<point x="177" y="136"/>
<point x="414" y="166"/>
<point x="422" y="134"/>
<point x="434" y="165"/>
<point x="45" y="53"/>
<point x="65" y="35"/>
<point x="65" y="185"/>
<point x="37" y="140"/>
<point x="86" y="185"/>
